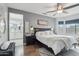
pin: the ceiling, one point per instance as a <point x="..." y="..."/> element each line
<point x="40" y="8"/>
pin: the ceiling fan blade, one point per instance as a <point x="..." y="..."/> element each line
<point x="49" y="12"/>
<point x="71" y="6"/>
<point x="65" y="12"/>
<point x="54" y="14"/>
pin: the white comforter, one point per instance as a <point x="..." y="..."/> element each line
<point x="56" y="42"/>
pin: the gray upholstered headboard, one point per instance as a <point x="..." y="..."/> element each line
<point x="41" y="29"/>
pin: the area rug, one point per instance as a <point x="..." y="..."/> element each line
<point x="45" y="52"/>
<point x="70" y="52"/>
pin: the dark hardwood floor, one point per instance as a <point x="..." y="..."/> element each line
<point x="31" y="50"/>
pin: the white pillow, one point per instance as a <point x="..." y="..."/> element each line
<point x="41" y="33"/>
<point x="49" y="32"/>
<point x="5" y="45"/>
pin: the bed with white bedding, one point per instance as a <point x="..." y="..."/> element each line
<point x="56" y="42"/>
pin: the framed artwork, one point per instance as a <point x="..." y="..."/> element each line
<point x="42" y="22"/>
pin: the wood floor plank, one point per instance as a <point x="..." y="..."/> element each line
<point x="31" y="50"/>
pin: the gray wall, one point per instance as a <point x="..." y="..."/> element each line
<point x="32" y="18"/>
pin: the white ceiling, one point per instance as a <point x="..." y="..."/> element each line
<point x="40" y="8"/>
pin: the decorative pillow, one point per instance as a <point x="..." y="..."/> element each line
<point x="5" y="45"/>
<point x="45" y="33"/>
<point x="41" y="33"/>
<point x="1" y="42"/>
<point x="49" y="32"/>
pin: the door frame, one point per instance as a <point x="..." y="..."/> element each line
<point x="12" y="10"/>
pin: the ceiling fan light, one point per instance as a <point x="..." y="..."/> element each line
<point x="59" y="11"/>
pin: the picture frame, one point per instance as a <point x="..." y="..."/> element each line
<point x="42" y="22"/>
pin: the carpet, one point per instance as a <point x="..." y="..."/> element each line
<point x="71" y="52"/>
<point x="45" y="52"/>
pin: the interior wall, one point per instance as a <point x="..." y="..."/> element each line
<point x="3" y="11"/>
<point x="32" y="18"/>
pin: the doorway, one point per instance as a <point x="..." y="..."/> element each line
<point x="16" y="31"/>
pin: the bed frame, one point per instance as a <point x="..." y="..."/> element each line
<point x="42" y="44"/>
<point x="40" y="29"/>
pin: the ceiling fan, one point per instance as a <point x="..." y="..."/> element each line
<point x="61" y="9"/>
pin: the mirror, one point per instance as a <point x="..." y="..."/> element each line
<point x="2" y="24"/>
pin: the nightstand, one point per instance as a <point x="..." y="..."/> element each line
<point x="30" y="40"/>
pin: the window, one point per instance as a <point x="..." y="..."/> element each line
<point x="61" y="27"/>
<point x="72" y="26"/>
<point x="61" y="22"/>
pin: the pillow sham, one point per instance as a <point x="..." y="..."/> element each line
<point x="5" y="45"/>
<point x="45" y="33"/>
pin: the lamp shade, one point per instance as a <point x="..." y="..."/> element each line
<point x="31" y="28"/>
<point x="52" y="29"/>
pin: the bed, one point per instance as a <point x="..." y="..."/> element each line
<point x="56" y="42"/>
